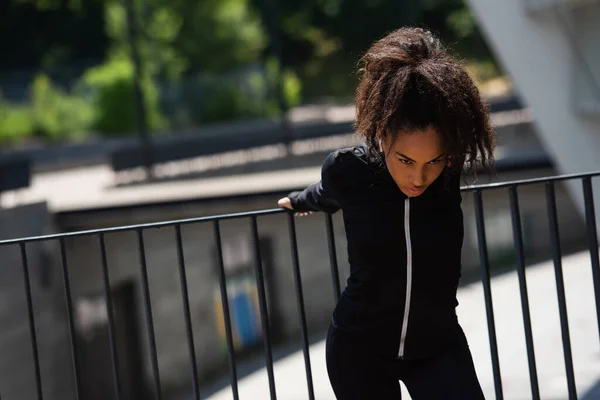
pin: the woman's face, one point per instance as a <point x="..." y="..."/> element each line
<point x="415" y="159"/>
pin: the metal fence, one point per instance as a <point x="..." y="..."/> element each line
<point x="512" y="188"/>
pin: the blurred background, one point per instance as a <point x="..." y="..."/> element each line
<point x="78" y="71"/>
<point x="119" y="112"/>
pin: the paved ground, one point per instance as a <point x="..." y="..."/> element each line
<point x="290" y="372"/>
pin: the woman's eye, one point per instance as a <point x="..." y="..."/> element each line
<point x="403" y="161"/>
<point x="435" y="162"/>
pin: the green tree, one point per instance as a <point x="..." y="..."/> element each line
<point x="58" y="115"/>
<point x="182" y="37"/>
<point x="323" y="39"/>
<point x="185" y="45"/>
<point x="110" y="88"/>
<point x="16" y="123"/>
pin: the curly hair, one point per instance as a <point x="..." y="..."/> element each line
<point x="408" y="82"/>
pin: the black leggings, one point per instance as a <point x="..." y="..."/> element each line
<point x="355" y="373"/>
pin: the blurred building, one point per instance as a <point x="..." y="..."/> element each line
<point x="550" y="50"/>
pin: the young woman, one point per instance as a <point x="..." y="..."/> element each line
<point x="423" y="123"/>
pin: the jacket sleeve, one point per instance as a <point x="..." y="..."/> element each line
<point x="323" y="195"/>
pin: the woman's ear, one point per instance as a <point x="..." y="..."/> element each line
<point x="383" y="143"/>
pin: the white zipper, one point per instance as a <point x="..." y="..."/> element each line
<point x="408" y="276"/>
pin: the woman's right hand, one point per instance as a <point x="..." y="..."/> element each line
<point x="287" y="203"/>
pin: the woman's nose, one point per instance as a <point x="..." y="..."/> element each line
<point x="418" y="179"/>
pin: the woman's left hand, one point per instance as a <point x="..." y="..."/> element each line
<point x="287" y="203"/>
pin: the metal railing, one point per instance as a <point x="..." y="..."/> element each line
<point x="590" y="219"/>
<point x="512" y="187"/>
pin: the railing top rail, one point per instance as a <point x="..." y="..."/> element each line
<point x="531" y="181"/>
<point x="136" y="227"/>
<point x="259" y="213"/>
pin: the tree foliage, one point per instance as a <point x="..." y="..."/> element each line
<point x="201" y="61"/>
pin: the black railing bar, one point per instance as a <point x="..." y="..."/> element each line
<point x="70" y="319"/>
<point x="560" y="288"/>
<point x="32" y="332"/>
<point x="531" y="181"/>
<point x="162" y="224"/>
<point x="226" y="314"/>
<point x="186" y="310"/>
<point x="262" y="300"/>
<point x="111" y="319"/>
<point x="333" y="264"/>
<point x="301" y="308"/>
<point x="590" y="219"/>
<point x="520" y="261"/>
<point x="487" y="292"/>
<point x="149" y="319"/>
<point x="269" y="211"/>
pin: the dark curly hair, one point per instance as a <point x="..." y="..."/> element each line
<point x="408" y="82"/>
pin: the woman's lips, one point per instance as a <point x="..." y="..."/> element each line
<point x="415" y="191"/>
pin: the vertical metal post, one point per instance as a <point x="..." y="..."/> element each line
<point x="70" y="318"/>
<point x="592" y="237"/>
<point x="300" y="301"/>
<point x="111" y="319"/>
<point x="149" y="319"/>
<point x="262" y="300"/>
<point x="226" y="315"/>
<point x="32" y="332"/>
<point x="560" y="288"/>
<point x="186" y="311"/>
<point x="487" y="291"/>
<point x="520" y="261"/>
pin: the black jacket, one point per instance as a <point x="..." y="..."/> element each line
<point x="404" y="254"/>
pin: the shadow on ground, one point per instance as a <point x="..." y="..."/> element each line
<point x="593" y="393"/>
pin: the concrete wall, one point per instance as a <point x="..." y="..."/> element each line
<point x="198" y="246"/>
<point x="17" y="376"/>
